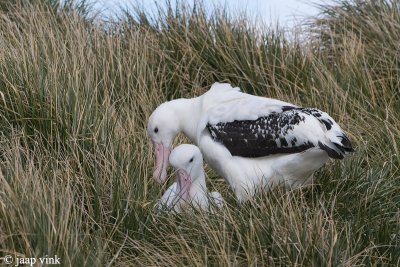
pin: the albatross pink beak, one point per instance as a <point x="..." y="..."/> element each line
<point x="184" y="182"/>
<point x="161" y="161"/>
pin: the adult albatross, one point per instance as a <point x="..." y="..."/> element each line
<point x="251" y="141"/>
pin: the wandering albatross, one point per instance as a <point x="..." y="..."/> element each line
<point x="190" y="186"/>
<point x="249" y="140"/>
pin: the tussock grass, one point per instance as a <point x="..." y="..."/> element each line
<point x="75" y="169"/>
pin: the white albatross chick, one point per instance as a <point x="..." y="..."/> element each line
<point x="190" y="188"/>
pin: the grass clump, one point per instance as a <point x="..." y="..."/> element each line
<point x="75" y="95"/>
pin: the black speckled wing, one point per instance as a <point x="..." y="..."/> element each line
<point x="272" y="134"/>
<point x="321" y="116"/>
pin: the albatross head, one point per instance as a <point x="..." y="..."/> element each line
<point x="162" y="128"/>
<point x="188" y="162"/>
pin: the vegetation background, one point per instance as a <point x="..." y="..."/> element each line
<point x="75" y="95"/>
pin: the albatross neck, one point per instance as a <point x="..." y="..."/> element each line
<point x="187" y="111"/>
<point x="198" y="187"/>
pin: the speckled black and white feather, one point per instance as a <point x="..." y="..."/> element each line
<point x="292" y="130"/>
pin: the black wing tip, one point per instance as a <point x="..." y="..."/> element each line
<point x="341" y="149"/>
<point x="346" y="144"/>
<point x="331" y="152"/>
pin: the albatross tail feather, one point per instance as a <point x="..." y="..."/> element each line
<point x="335" y="143"/>
<point x="339" y="144"/>
<point x="345" y="144"/>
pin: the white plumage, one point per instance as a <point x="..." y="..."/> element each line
<point x="251" y="141"/>
<point x="189" y="189"/>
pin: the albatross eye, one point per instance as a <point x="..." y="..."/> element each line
<point x="191" y="160"/>
<point x="156" y="130"/>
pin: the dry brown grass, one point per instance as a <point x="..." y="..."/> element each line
<point x="76" y="166"/>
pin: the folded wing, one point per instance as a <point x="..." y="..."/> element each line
<point x="291" y="130"/>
